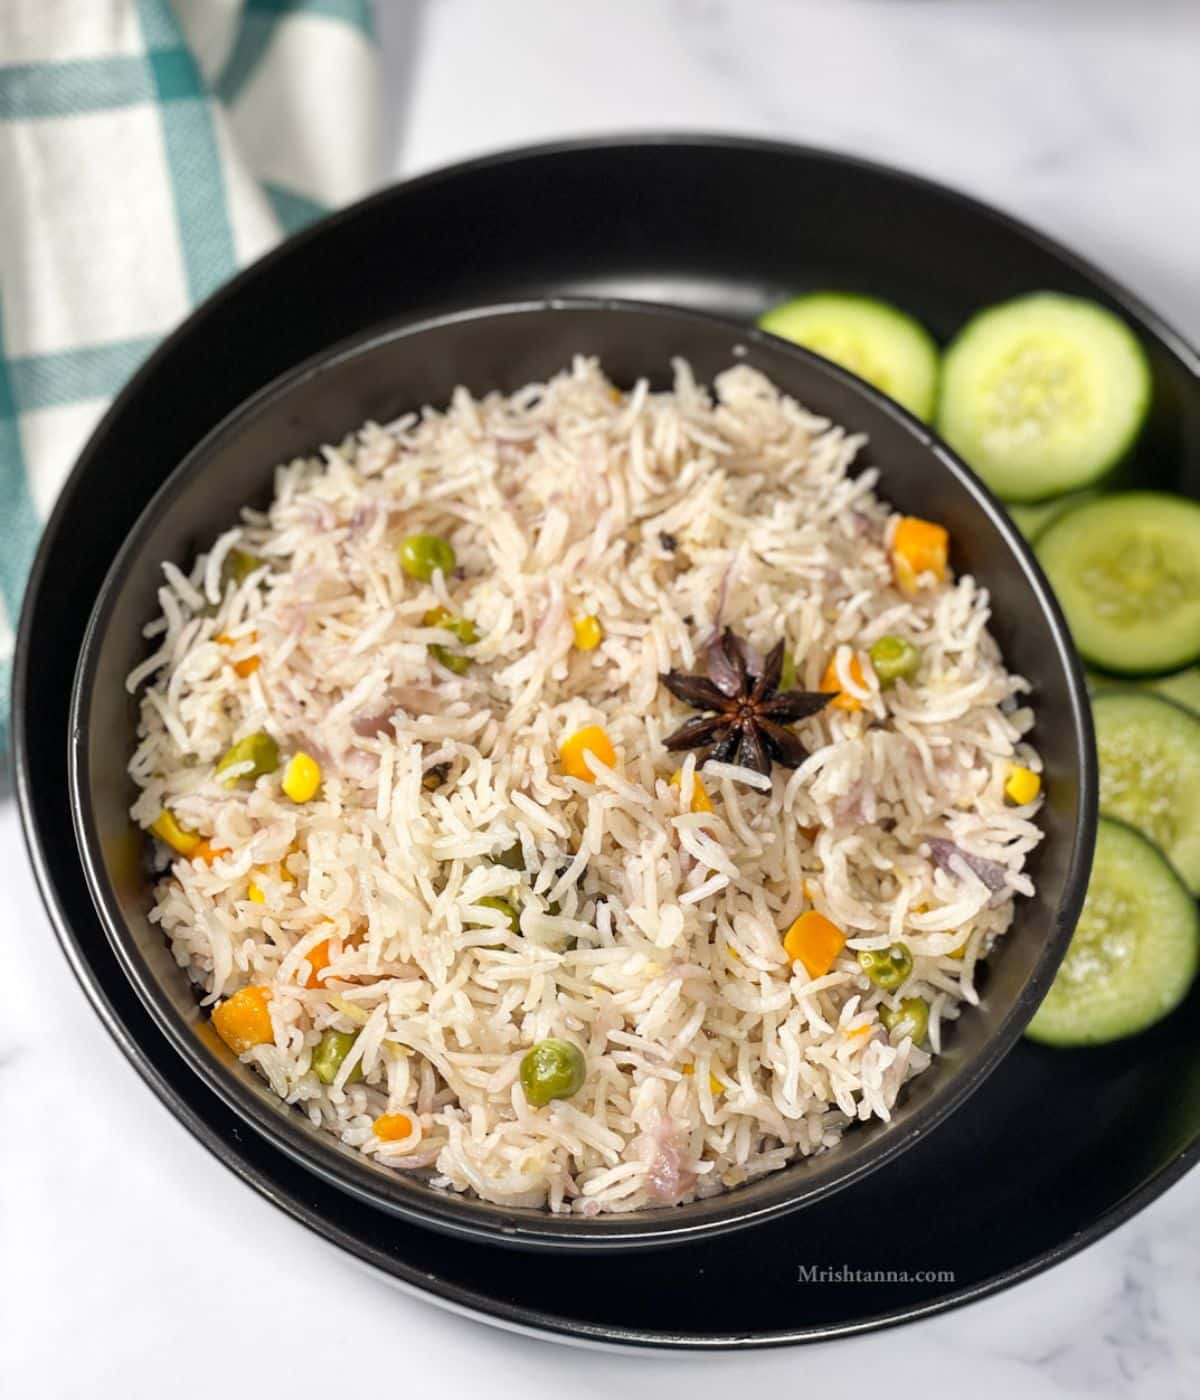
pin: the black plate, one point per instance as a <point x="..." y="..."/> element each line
<point x="1056" y="1148"/>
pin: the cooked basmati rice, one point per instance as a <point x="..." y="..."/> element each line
<point x="651" y="935"/>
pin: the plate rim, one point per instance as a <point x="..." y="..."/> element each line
<point x="42" y="859"/>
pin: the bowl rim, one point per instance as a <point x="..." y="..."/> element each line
<point x="468" y="1216"/>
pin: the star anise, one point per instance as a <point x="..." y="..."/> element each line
<point x="749" y="719"/>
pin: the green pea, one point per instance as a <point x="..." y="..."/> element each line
<point x="894" y="659"/>
<point x="553" y="1069"/>
<point x="886" y="967"/>
<point x="502" y="906"/>
<point x="260" y="749"/>
<point x="451" y="660"/>
<point x="512" y="858"/>
<point x="422" y="555"/>
<point x="238" y="565"/>
<point x="332" y="1049"/>
<point x="910" y="1018"/>
<point x="462" y="627"/>
<point x="787" y="673"/>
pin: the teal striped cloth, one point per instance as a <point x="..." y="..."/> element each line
<point x="148" y="148"/>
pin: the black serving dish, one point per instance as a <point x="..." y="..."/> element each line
<point x="1056" y="1148"/>
<point x="382" y="376"/>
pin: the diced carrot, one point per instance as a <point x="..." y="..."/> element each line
<point x="318" y="960"/>
<point x="206" y="1033"/>
<point x="245" y="1019"/>
<point x="831" y="681"/>
<point x="918" y="547"/>
<point x="393" y="1127"/>
<point x="815" y="942"/>
<point x="207" y="852"/>
<point x="248" y="664"/>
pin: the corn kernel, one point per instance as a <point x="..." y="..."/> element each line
<point x="302" y="778"/>
<point x="280" y="872"/>
<point x="167" y="829"/>
<point x="588" y="632"/>
<point x="701" y="802"/>
<point x="393" y="1127"/>
<point x="1023" y="785"/>
<point x="714" y="1084"/>
<point x="244" y="1020"/>
<point x="592" y="739"/>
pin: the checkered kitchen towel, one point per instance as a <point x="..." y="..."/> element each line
<point x="148" y="148"/>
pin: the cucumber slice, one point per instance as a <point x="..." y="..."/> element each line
<point x="1134" y="951"/>
<point x="878" y="342"/>
<point x="1149" y="751"/>
<point x="1126" y="569"/>
<point x="1043" y="395"/>
<point x="1033" y="521"/>
<point x="1183" y="687"/>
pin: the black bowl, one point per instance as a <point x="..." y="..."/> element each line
<point x="381" y="375"/>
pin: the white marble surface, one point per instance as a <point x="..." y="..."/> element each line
<point x="131" y="1263"/>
